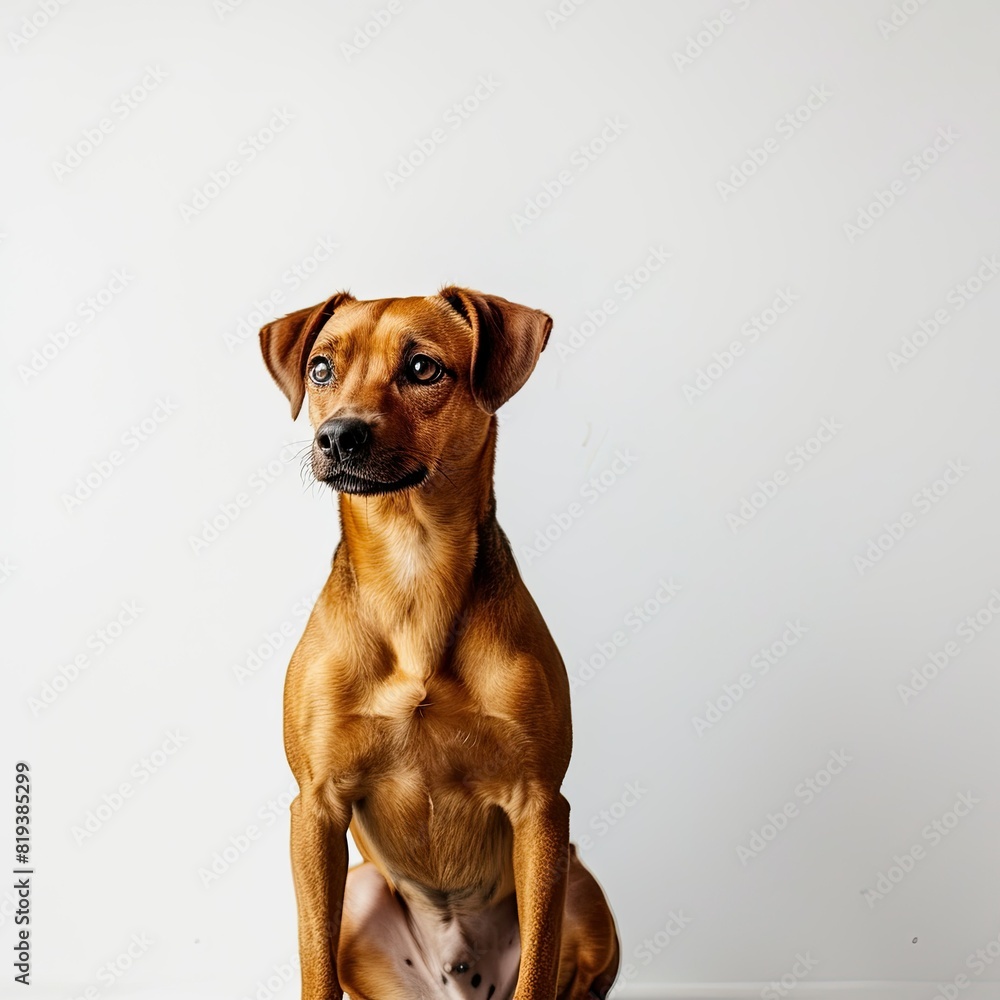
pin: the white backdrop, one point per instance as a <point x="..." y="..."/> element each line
<point x="752" y="484"/>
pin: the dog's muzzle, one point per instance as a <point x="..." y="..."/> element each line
<point x="343" y="458"/>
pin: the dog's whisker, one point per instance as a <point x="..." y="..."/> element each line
<point x="306" y="474"/>
<point x="446" y="476"/>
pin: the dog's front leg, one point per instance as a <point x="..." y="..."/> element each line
<point x="541" y="860"/>
<point x="319" y="868"/>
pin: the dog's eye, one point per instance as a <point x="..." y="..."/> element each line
<point x="423" y="369"/>
<point x="320" y="370"/>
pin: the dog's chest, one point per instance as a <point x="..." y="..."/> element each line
<point x="430" y="812"/>
<point x="429" y="720"/>
<point x="436" y="745"/>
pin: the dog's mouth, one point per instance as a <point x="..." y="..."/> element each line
<point x="351" y="482"/>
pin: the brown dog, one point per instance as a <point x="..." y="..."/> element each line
<point x="426" y="706"/>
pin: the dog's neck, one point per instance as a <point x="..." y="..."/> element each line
<point x="412" y="555"/>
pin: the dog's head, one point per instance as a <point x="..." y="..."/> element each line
<point x="400" y="389"/>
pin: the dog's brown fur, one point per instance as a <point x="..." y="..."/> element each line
<point x="426" y="706"/>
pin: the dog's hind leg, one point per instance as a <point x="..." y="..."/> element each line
<point x="590" y="953"/>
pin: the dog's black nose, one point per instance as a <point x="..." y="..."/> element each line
<point x="342" y="438"/>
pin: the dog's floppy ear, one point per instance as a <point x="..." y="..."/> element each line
<point x="506" y="341"/>
<point x="286" y="343"/>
